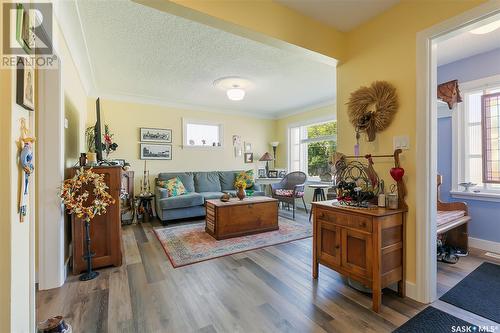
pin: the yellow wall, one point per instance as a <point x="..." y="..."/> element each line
<point x="125" y="119"/>
<point x="385" y="49"/>
<point x="5" y="198"/>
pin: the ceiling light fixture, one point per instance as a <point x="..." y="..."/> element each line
<point x="235" y="87"/>
<point x="486" y="28"/>
<point x="235" y="93"/>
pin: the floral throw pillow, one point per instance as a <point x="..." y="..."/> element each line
<point x="247" y="177"/>
<point x="174" y="187"/>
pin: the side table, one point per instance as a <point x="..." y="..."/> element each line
<point x="318" y="195"/>
<point x="146" y="206"/>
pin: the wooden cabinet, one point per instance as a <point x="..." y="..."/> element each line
<point x="366" y="245"/>
<point x="105" y="230"/>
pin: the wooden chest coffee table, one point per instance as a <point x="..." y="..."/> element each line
<point x="241" y="217"/>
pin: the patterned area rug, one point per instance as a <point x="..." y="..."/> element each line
<point x="189" y="244"/>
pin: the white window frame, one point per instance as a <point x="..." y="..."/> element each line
<point x="460" y="137"/>
<point x="303" y="140"/>
<point x="186" y="121"/>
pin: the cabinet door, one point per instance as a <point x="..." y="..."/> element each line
<point x="329" y="243"/>
<point x="357" y="252"/>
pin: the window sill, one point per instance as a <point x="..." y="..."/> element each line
<point x="480" y="196"/>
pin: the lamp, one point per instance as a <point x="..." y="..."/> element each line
<point x="235" y="93"/>
<point x="266" y="157"/>
<point x="274" y="144"/>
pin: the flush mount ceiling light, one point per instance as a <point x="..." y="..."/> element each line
<point x="235" y="87"/>
<point x="486" y="28"/>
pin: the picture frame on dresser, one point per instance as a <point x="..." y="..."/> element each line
<point x="150" y="151"/>
<point x="148" y="134"/>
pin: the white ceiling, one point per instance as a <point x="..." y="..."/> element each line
<point x="466" y="45"/>
<point x="137" y="52"/>
<point x="344" y="15"/>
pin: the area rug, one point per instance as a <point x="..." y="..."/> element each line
<point x="432" y="320"/>
<point x="189" y="244"/>
<point x="478" y="292"/>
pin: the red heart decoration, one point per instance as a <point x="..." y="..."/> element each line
<point x="397" y="173"/>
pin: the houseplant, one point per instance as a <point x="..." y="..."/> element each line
<point x="90" y="139"/>
<point x="77" y="200"/>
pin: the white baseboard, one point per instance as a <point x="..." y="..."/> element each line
<point x="410" y="289"/>
<point x="485" y="245"/>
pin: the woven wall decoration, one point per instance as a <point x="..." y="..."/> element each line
<point x="371" y="109"/>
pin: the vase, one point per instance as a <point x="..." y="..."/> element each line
<point x="92" y="158"/>
<point x="241" y="193"/>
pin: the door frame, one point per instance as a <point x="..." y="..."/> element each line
<point x="426" y="102"/>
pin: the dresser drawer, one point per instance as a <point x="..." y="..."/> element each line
<point x="361" y="223"/>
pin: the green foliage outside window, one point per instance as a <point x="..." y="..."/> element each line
<point x="318" y="153"/>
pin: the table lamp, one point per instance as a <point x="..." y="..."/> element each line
<point x="266" y="157"/>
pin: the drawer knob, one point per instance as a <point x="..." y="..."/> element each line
<point x="363" y="224"/>
<point x="337" y="246"/>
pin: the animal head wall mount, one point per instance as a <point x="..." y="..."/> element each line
<point x="371" y="109"/>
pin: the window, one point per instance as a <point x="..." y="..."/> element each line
<point x="310" y="147"/>
<point x="202" y="134"/>
<point x="476" y="133"/>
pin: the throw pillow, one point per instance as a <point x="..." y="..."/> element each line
<point x="174" y="187"/>
<point x="247" y="177"/>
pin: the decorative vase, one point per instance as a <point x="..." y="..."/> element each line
<point x="241" y="193"/>
<point x="92" y="158"/>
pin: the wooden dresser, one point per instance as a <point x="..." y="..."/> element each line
<point x="367" y="245"/>
<point x="105" y="230"/>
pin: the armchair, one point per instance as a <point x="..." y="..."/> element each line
<point x="290" y="188"/>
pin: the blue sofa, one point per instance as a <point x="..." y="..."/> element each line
<point x="200" y="186"/>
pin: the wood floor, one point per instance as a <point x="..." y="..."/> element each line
<point x="265" y="290"/>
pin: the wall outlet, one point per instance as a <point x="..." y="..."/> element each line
<point x="401" y="142"/>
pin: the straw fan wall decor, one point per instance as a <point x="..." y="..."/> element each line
<point x="371" y="109"/>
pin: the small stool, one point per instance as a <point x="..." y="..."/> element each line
<point x="146" y="205"/>
<point x="318" y="195"/>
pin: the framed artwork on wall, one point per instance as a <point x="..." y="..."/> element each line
<point x="248" y="147"/>
<point x="155" y="152"/>
<point x="25" y="84"/>
<point x="155" y="135"/>
<point x="248" y="157"/>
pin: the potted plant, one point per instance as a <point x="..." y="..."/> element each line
<point x="90" y="139"/>
<point x="240" y="185"/>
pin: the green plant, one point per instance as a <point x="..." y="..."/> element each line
<point x="90" y="139"/>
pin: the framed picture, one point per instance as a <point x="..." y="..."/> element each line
<point x="248" y="147"/>
<point x="281" y="173"/>
<point x="248" y="157"/>
<point x="261" y="173"/>
<point x="25" y="28"/>
<point x="120" y="162"/>
<point x="236" y="140"/>
<point x="156" y="152"/>
<point x="272" y="174"/>
<point x="25" y="84"/>
<point x="156" y="135"/>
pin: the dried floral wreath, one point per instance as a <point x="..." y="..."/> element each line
<point x="371" y="109"/>
<point x="76" y="198"/>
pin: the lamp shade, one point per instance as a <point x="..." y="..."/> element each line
<point x="266" y="157"/>
<point x="274" y="143"/>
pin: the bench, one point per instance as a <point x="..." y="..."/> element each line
<point x="452" y="220"/>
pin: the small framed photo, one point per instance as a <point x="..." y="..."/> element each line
<point x="248" y="157"/>
<point x="281" y="173"/>
<point x="155" y="152"/>
<point x="25" y="84"/>
<point x="261" y="173"/>
<point x="156" y="135"/>
<point x="248" y="147"/>
<point x="272" y="174"/>
<point x="120" y="162"/>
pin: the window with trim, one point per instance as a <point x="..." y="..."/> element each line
<point x="477" y="140"/>
<point x="310" y="147"/>
<point x="202" y="134"/>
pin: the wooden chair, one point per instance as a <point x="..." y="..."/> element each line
<point x="290" y="188"/>
<point x="453" y="219"/>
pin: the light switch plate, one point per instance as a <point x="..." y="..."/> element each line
<point x="401" y="142"/>
<point x="66" y="123"/>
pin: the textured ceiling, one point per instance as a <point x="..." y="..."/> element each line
<point x="344" y="15"/>
<point x="466" y="45"/>
<point x="136" y="51"/>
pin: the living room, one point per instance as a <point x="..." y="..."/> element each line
<point x="226" y="129"/>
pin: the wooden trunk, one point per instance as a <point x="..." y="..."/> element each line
<point x="105" y="230"/>
<point x="366" y="245"/>
<point x="241" y="217"/>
